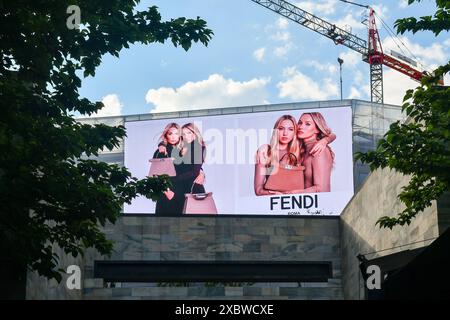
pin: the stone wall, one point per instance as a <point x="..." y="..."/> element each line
<point x="213" y="238"/>
<point x="359" y="235"/>
<point x="39" y="288"/>
<point x="225" y="239"/>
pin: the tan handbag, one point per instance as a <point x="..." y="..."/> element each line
<point x="199" y="203"/>
<point x="162" y="166"/>
<point x="285" y="177"/>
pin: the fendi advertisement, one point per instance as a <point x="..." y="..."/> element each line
<point x="293" y="162"/>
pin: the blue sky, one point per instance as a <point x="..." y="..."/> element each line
<point x="256" y="57"/>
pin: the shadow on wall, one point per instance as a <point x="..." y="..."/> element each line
<point x="352" y="244"/>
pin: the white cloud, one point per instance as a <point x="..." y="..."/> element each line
<point x="381" y="11"/>
<point x="366" y="91"/>
<point x="281" y="36"/>
<point x="429" y="56"/>
<point x="259" y="54"/>
<point x="278" y="32"/>
<point x="320" y="66"/>
<point x="113" y="106"/>
<point x="324" y="7"/>
<point x="282" y="23"/>
<point x="283" y="50"/>
<point x="216" y="91"/>
<point x="354" y="93"/>
<point x="447" y="43"/>
<point x="403" y="4"/>
<point x="351" y="58"/>
<point x="349" y="23"/>
<point x="358" y="78"/>
<point x="331" y="68"/>
<point x="299" y="86"/>
<point x="395" y="85"/>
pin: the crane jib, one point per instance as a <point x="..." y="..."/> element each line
<point x="310" y="21"/>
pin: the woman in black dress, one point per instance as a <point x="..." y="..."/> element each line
<point x="189" y="166"/>
<point x="188" y="152"/>
<point x="170" y="140"/>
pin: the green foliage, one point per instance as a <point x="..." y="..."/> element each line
<point x="420" y="147"/>
<point x="51" y="192"/>
<point x="436" y="24"/>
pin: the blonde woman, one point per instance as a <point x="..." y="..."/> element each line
<point x="171" y="139"/>
<point x="283" y="141"/>
<point x="193" y="152"/>
<point x="314" y="133"/>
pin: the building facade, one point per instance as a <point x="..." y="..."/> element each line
<point x="143" y="241"/>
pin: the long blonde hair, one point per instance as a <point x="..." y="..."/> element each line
<point x="198" y="136"/>
<point x="293" y="146"/>
<point x="322" y="126"/>
<point x="163" y="137"/>
<point x="193" y="128"/>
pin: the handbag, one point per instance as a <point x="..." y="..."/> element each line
<point x="160" y="166"/>
<point x="285" y="177"/>
<point x="199" y="203"/>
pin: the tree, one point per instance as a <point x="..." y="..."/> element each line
<point x="420" y="147"/>
<point x="51" y="192"/>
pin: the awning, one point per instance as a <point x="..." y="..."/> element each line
<point x="422" y="273"/>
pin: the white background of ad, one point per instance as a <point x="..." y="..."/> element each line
<point x="231" y="180"/>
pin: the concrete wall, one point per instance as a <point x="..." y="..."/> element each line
<point x="443" y="210"/>
<point x="359" y="235"/>
<point x="206" y="238"/>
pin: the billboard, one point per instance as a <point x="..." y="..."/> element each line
<point x="292" y="162"/>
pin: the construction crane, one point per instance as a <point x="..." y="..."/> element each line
<point x="371" y="50"/>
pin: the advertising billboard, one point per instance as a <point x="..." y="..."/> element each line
<point x="292" y="162"/>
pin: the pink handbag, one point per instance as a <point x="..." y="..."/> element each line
<point x="162" y="166"/>
<point x="199" y="203"/>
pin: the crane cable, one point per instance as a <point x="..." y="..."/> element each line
<point x="391" y="32"/>
<point x="394" y="36"/>
<point x="356" y="4"/>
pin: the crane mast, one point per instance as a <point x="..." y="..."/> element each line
<point x="371" y="50"/>
<point x="375" y="59"/>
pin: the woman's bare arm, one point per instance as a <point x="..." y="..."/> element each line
<point x="322" y="144"/>
<point x="330" y="138"/>
<point x="321" y="166"/>
<point x="200" y="178"/>
<point x="260" y="171"/>
<point x="260" y="179"/>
